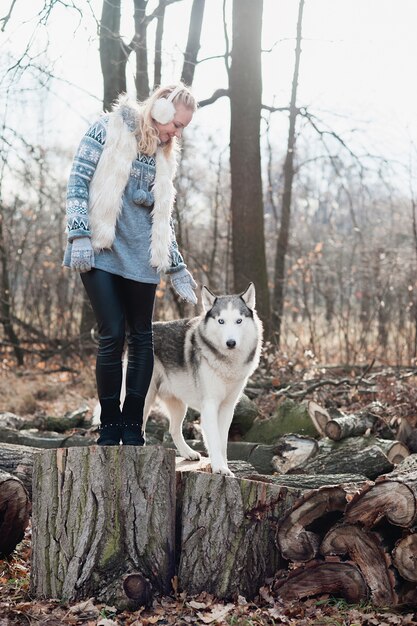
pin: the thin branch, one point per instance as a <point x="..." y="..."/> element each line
<point x="219" y="93"/>
<point x="6" y="18"/>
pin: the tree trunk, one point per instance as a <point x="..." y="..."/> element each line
<point x="404" y="557"/>
<point x="141" y="50"/>
<point x="305" y="483"/>
<point x="113" y="53"/>
<point x="298" y="538"/>
<point x="395" y="451"/>
<point x="160" y="20"/>
<point x="5" y="298"/>
<point x="364" y="548"/>
<point x="260" y="456"/>
<point x="228" y="534"/>
<point x="18" y="460"/>
<point x="193" y="43"/>
<point x="44" y="439"/>
<point x="14" y="512"/>
<point x="101" y="514"/>
<point x="291" y="451"/>
<point x="349" y="426"/>
<point x="369" y="461"/>
<point x="393" y="496"/>
<point x="342" y="579"/>
<point x="284" y="231"/>
<point x="249" y="261"/>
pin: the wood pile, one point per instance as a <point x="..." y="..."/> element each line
<point x="357" y="540"/>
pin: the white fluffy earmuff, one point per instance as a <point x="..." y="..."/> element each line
<point x="163" y="110"/>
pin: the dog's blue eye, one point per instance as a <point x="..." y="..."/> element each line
<point x="239" y="321"/>
<point x="220" y="321"/>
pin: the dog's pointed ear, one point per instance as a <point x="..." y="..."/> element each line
<point x="207" y="298"/>
<point x="249" y="296"/>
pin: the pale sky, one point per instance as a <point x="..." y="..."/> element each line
<point x="357" y="65"/>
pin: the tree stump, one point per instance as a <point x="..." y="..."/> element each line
<point x="103" y="524"/>
<point x="227" y="537"/>
<point x="14" y="512"/>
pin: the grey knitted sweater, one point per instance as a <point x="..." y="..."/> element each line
<point x="129" y="255"/>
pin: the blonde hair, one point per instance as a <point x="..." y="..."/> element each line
<point x="148" y="139"/>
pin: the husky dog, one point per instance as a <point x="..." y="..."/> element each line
<point x="204" y="363"/>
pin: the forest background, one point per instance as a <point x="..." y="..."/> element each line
<point x="298" y="171"/>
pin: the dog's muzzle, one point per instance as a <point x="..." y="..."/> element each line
<point x="231" y="343"/>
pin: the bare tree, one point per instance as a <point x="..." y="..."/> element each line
<point x="193" y="43"/>
<point x="284" y="231"/>
<point x="249" y="262"/>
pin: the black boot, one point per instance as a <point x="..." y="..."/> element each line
<point x="110" y="423"/>
<point x="132" y="418"/>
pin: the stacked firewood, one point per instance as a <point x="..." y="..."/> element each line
<point x="356" y="540"/>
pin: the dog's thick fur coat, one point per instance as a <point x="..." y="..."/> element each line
<point x="204" y="363"/>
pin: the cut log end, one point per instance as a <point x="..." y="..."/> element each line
<point x="404" y="557"/>
<point x="14" y="512"/>
<point x="138" y="588"/>
<point x="341" y="579"/>
<point x="391" y="499"/>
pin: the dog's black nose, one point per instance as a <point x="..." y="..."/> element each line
<point x="230" y="343"/>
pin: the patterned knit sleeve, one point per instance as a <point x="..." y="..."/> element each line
<point x="177" y="261"/>
<point x="83" y="168"/>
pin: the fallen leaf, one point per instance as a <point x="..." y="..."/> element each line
<point x="218" y="612"/>
<point x="196" y="605"/>
<point x="85" y="609"/>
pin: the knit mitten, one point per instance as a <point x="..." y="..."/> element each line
<point x="132" y="419"/>
<point x="110" y="423"/>
<point x="82" y="254"/>
<point x="184" y="283"/>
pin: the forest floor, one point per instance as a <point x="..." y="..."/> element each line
<point x="48" y="390"/>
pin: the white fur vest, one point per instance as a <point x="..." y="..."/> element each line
<point x="111" y="177"/>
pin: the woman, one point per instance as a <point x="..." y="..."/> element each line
<point x="120" y="237"/>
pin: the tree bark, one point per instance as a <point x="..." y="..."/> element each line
<point x="404" y="557"/>
<point x="299" y="540"/>
<point x="342" y="579"/>
<point x="18" y="460"/>
<point x="364" y="548"/>
<point x="349" y="426"/>
<point x="99" y="515"/>
<point x="14" y="512"/>
<point x="160" y="21"/>
<point x="141" y="50"/>
<point x="193" y="42"/>
<point x="284" y="230"/>
<point x="395" y="451"/>
<point x="249" y="260"/>
<point x="305" y="483"/>
<point x="113" y="53"/>
<point x="393" y="496"/>
<point x="5" y="298"/>
<point x="44" y="439"/>
<point x="228" y="534"/>
<point x="369" y="461"/>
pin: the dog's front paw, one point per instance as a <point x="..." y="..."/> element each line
<point x="222" y="469"/>
<point x="193" y="455"/>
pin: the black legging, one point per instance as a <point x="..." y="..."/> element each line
<point x="122" y="307"/>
